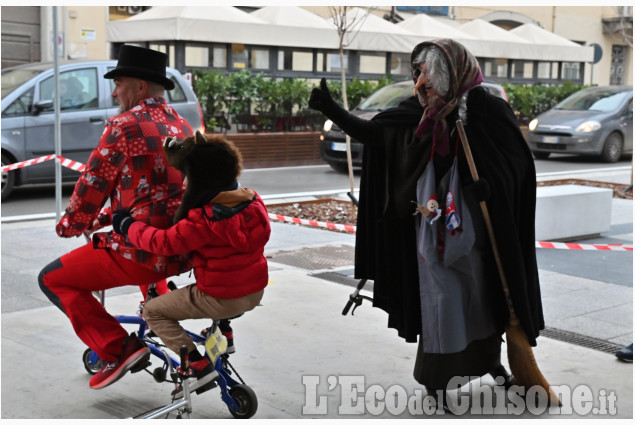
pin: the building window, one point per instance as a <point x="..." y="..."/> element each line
<point x="330" y="62"/>
<point x="259" y="58"/>
<point x="571" y="71"/>
<point x="240" y="56"/>
<point x="400" y="64"/>
<point x="522" y="69"/>
<point x="494" y="68"/>
<point x="372" y="63"/>
<point x="219" y="57"/>
<point x="196" y="56"/>
<point x="547" y="70"/>
<point x="167" y="49"/>
<point x="295" y="60"/>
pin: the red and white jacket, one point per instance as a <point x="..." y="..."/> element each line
<point x="130" y="168"/>
<point x="227" y="246"/>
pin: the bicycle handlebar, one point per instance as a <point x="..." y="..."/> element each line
<point x="356" y="299"/>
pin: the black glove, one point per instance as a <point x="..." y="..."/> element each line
<point x="121" y="221"/>
<point x="321" y="99"/>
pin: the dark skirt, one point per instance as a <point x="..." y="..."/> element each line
<point x="479" y="358"/>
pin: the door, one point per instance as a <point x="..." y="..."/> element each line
<point x="82" y="122"/>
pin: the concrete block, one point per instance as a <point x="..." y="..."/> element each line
<point x="570" y="212"/>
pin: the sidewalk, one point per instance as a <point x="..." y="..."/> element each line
<point x="299" y="335"/>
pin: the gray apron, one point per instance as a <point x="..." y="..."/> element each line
<point x="454" y="308"/>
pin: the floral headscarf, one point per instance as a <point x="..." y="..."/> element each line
<point x="463" y="72"/>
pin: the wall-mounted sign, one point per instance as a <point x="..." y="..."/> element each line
<point x="87" y="34"/>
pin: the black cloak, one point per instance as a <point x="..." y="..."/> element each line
<point x="393" y="161"/>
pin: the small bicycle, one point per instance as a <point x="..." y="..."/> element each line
<point x="239" y="397"/>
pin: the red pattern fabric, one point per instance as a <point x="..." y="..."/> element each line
<point x="129" y="167"/>
<point x="228" y="254"/>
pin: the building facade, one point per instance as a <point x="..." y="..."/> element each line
<point x="27" y="36"/>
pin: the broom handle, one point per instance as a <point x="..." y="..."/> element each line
<point x="488" y="222"/>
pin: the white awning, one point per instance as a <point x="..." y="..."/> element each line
<point x="290" y="26"/>
<point x="428" y="27"/>
<point x="494" y="41"/>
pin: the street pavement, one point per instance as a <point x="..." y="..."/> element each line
<point x="300" y="354"/>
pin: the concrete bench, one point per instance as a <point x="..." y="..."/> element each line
<point x="569" y="212"/>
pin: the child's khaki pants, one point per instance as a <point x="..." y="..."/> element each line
<point x="164" y="313"/>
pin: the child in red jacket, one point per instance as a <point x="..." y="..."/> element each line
<point x="224" y="227"/>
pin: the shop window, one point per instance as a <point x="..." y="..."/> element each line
<point x="333" y="63"/>
<point x="400" y="64"/>
<point x="571" y="71"/>
<point x="522" y="69"/>
<point x="259" y="58"/>
<point x="494" y="67"/>
<point x="219" y="57"/>
<point x="295" y="60"/>
<point x="196" y="56"/>
<point x="547" y="70"/>
<point x="167" y="49"/>
<point x="240" y="56"/>
<point x="372" y="64"/>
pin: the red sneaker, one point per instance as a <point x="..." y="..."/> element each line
<point x="204" y="373"/>
<point x="133" y="353"/>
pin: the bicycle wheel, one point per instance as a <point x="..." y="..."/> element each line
<point x="91" y="365"/>
<point x="246" y="400"/>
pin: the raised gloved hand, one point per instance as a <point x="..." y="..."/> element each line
<point x="321" y="99"/>
<point x="121" y="221"/>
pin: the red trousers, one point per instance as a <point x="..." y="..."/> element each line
<point x="69" y="283"/>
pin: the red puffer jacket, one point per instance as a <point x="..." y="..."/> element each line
<point x="227" y="250"/>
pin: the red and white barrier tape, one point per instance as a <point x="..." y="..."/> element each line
<point x="346" y="227"/>
<point x="23" y="164"/>
<point x="77" y="166"/>
<point x="591" y="247"/>
<point x="553" y="245"/>
<point x="68" y="163"/>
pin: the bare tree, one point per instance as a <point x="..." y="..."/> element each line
<point x="348" y="26"/>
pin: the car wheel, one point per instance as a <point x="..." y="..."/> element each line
<point x="541" y="155"/>
<point x="612" y="150"/>
<point x="8" y="178"/>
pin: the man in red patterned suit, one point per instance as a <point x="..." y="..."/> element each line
<point x="129" y="168"/>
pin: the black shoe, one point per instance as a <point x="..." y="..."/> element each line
<point x="508" y="379"/>
<point x="625" y="354"/>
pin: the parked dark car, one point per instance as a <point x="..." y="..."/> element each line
<point x="333" y="139"/>
<point x="85" y="105"/>
<point x="593" y="121"/>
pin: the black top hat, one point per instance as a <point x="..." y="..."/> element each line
<point x="142" y="63"/>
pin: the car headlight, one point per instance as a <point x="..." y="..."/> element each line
<point x="533" y="124"/>
<point x="327" y="125"/>
<point x="588" y="127"/>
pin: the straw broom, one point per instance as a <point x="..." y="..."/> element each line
<point x="519" y="353"/>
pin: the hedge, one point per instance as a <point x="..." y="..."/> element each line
<point x="252" y="102"/>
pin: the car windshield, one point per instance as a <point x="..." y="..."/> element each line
<point x="596" y="100"/>
<point x="386" y="97"/>
<point x="14" y="78"/>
